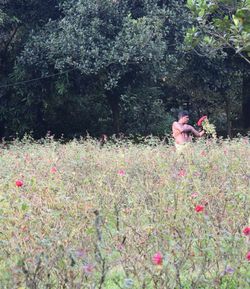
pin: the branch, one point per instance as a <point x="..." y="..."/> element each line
<point x="11" y="38"/>
<point x="214" y="34"/>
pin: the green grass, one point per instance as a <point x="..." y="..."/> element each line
<point x="91" y="216"/>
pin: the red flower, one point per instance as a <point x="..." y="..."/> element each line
<point x="199" y="122"/>
<point x="19" y="183"/>
<point x="157" y="258"/>
<point x="246" y="231"/>
<point x="199" y="208"/>
<point x="248" y="256"/>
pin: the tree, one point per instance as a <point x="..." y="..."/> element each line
<point x="17" y="19"/>
<point x="223" y="24"/>
<point x="223" y="27"/>
<point x="112" y="41"/>
<point x="110" y="66"/>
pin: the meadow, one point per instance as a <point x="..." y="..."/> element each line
<point x="123" y="215"/>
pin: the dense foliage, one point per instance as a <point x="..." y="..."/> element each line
<point x="86" y="66"/>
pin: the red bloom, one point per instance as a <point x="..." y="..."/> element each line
<point x="19" y="183"/>
<point x="199" y="208"/>
<point x="248" y="256"/>
<point x="157" y="258"/>
<point x="199" y="122"/>
<point x="246" y="231"/>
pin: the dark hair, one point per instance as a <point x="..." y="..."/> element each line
<point x="182" y="113"/>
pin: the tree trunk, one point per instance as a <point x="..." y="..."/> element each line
<point x="113" y="101"/>
<point x="246" y="102"/>
<point x="2" y="130"/>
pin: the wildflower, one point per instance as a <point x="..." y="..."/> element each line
<point x="88" y="269"/>
<point x="169" y="210"/>
<point x="127" y="210"/>
<point x="199" y="208"/>
<point x="121" y="173"/>
<point x="53" y="170"/>
<point x="248" y="256"/>
<point x="181" y="173"/>
<point x="229" y="270"/>
<point x="19" y="183"/>
<point x="120" y="247"/>
<point x="194" y="195"/>
<point x="203" y="153"/>
<point x="80" y="253"/>
<point x="199" y="122"/>
<point x="197" y="174"/>
<point x="157" y="258"/>
<point x="246" y="231"/>
<point x="26" y="239"/>
<point x="204" y="202"/>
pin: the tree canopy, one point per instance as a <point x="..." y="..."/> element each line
<point x="79" y="66"/>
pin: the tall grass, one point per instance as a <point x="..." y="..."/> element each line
<point x="91" y="216"/>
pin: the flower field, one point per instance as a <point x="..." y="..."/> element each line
<point x="120" y="215"/>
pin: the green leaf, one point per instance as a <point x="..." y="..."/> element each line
<point x="24" y="207"/>
<point x="190" y="4"/>
<point x="236" y="20"/>
<point x="201" y="12"/>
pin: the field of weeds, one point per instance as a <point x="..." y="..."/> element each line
<point x="120" y="215"/>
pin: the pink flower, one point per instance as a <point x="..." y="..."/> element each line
<point x="248" y="256"/>
<point x="26" y="239"/>
<point x="197" y="174"/>
<point x="169" y="210"/>
<point x="203" y="153"/>
<point x="246" y="231"/>
<point x="204" y="202"/>
<point x="199" y="122"/>
<point x="88" y="269"/>
<point x="199" y="208"/>
<point x="246" y="141"/>
<point x="157" y="259"/>
<point x="121" y="173"/>
<point x="80" y="253"/>
<point x="120" y="247"/>
<point x="194" y="195"/>
<point x="19" y="183"/>
<point x="229" y="270"/>
<point x="181" y="173"/>
<point x="53" y="170"/>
